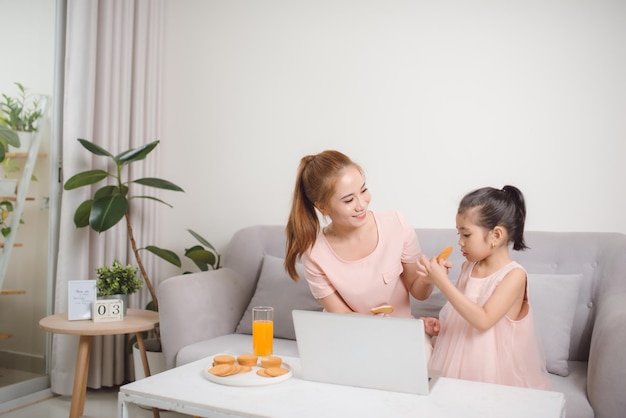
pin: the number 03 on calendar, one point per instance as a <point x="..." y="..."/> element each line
<point x="108" y="310"/>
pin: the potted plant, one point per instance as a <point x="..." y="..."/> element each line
<point x="20" y="113"/>
<point x="117" y="282"/>
<point x="111" y="203"/>
<point x="7" y="186"/>
<point x="8" y="193"/>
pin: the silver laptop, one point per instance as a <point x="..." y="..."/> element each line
<point x="362" y="350"/>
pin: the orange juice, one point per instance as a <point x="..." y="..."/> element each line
<point x="262" y="337"/>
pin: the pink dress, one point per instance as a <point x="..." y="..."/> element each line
<point x="373" y="280"/>
<point x="508" y="353"/>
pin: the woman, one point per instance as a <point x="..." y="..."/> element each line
<point x="361" y="259"/>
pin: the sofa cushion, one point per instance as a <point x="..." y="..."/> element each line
<point x="553" y="298"/>
<point x="574" y="387"/>
<point x="275" y="288"/>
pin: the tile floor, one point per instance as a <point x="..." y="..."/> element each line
<point x="101" y="403"/>
<point x="10" y="376"/>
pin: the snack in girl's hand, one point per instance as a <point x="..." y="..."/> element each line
<point x="445" y="253"/>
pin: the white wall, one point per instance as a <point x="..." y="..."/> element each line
<point x="27" y="31"/>
<point x="433" y="99"/>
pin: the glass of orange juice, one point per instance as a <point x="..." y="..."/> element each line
<point x="262" y="330"/>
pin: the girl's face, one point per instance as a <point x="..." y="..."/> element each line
<point x="350" y="200"/>
<point x="474" y="240"/>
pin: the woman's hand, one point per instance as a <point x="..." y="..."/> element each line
<point x="431" y="326"/>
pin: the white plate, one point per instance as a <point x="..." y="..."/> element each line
<point x="246" y="379"/>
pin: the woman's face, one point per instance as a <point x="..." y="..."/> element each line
<point x="349" y="202"/>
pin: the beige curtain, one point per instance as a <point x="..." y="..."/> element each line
<point x="111" y="97"/>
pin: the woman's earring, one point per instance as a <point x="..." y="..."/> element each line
<point x="493" y="244"/>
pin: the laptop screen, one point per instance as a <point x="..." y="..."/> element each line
<point x="362" y="350"/>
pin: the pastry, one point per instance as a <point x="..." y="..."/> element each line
<point x="276" y="371"/>
<point x="223" y="369"/>
<point x="271" y="361"/>
<point x="247" y="359"/>
<point x="223" y="359"/>
<point x="382" y="309"/>
<point x="445" y="253"/>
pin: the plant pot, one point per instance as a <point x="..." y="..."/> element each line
<point x="156" y="360"/>
<point x="26" y="138"/>
<point x="123" y="298"/>
<point x="8" y="187"/>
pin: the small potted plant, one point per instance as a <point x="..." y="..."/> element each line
<point x="21" y="113"/>
<point x="117" y="282"/>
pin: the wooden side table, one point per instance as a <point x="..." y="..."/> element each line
<point x="136" y="321"/>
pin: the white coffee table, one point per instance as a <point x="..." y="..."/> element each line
<point x="185" y="390"/>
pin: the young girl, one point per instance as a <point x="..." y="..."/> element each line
<point x="361" y="259"/>
<point x="486" y="329"/>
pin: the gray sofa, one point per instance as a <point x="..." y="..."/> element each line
<point x="577" y="286"/>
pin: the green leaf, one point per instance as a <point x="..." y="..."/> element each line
<point x="107" y="212"/>
<point x="136" y="154"/>
<point x="95" y="149"/>
<point x="117" y="279"/>
<point x="158" y="183"/>
<point x="10" y="167"/>
<point x="167" y="255"/>
<point x="6" y="205"/>
<point x="108" y="191"/>
<point x="202" y="240"/>
<point x="201" y="257"/>
<point x="85" y="178"/>
<point x="152" y="198"/>
<point x="197" y="253"/>
<point x="81" y="216"/>
<point x="9" y="135"/>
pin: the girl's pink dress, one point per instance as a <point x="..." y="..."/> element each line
<point x="508" y="353"/>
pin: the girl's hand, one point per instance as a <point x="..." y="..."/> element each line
<point x="433" y="270"/>
<point x="431" y="326"/>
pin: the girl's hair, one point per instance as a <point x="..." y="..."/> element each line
<point x="315" y="184"/>
<point x="495" y="207"/>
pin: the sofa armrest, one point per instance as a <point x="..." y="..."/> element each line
<point x="199" y="306"/>
<point x="606" y="372"/>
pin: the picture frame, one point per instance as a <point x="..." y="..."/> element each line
<point x="81" y="296"/>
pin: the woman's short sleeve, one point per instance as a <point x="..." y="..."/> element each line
<point x="411" y="250"/>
